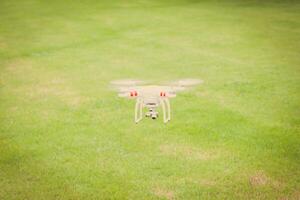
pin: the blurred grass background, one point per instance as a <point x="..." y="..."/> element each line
<point x="65" y="135"/>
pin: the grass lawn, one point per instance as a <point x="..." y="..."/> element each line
<point x="64" y="134"/>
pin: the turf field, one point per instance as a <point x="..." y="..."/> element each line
<point x="64" y="134"/>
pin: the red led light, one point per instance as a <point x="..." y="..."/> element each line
<point x="133" y="93"/>
<point x="162" y="94"/>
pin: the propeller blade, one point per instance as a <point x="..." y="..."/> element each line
<point x="127" y="82"/>
<point x="187" y="82"/>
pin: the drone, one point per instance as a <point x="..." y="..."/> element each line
<point x="151" y="96"/>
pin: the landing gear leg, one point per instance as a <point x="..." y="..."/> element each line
<point x="138" y="110"/>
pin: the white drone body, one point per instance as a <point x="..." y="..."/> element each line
<point x="151" y="96"/>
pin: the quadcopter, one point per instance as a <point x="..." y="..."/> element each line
<point x="151" y="96"/>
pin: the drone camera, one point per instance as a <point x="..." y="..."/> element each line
<point x="154" y="115"/>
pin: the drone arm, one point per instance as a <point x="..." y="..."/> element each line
<point x="123" y="94"/>
<point x="171" y="95"/>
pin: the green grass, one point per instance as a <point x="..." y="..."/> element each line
<point x="65" y="135"/>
